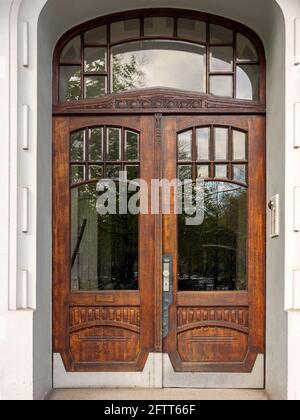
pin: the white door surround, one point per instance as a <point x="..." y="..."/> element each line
<point x="25" y="79"/>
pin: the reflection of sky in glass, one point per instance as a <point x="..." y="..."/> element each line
<point x="247" y="82"/>
<point x="168" y="64"/>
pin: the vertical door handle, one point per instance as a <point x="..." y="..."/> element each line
<point x="167" y="291"/>
<point x="166" y="275"/>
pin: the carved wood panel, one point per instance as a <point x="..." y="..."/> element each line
<point x="213" y="335"/>
<point x="80" y="316"/>
<point x="231" y="317"/>
<point x="212" y="345"/>
<point x="105" y="345"/>
<point x="159" y="100"/>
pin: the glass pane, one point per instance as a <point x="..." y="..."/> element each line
<point x="72" y="52"/>
<point x="203" y="143"/>
<point x="191" y="29"/>
<point x="221" y="171"/>
<point x="239" y="173"/>
<point x="220" y="35"/>
<point x="246" y="50"/>
<point x="78" y="146"/>
<point x="113" y="144"/>
<point x="146" y="64"/>
<point x="133" y="172"/>
<point x="96" y="36"/>
<point x="77" y="174"/>
<point x="247" y="83"/>
<point x="95" y="59"/>
<point x="94" y="87"/>
<point x="185" y="172"/>
<point x="239" y="145"/>
<point x="96" y="144"/>
<point x="113" y="171"/>
<point x="221" y="59"/>
<point x="95" y="172"/>
<point x="104" y="249"/>
<point x="221" y="86"/>
<point x="131" y="146"/>
<point x="203" y="171"/>
<point x="213" y="255"/>
<point x="221" y="143"/>
<point x="159" y="26"/>
<point x="70" y="83"/>
<point x="125" y="30"/>
<point x="185" y="145"/>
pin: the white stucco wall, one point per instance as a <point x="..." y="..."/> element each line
<point x="16" y="362"/>
<point x="292" y="257"/>
<point x="27" y="373"/>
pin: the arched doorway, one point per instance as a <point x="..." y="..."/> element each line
<point x="160" y="94"/>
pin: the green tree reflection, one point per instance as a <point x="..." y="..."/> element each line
<point x="127" y="73"/>
<point x="108" y="255"/>
<point x="212" y="256"/>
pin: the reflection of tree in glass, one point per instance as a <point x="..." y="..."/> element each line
<point x="94" y="87"/>
<point x="77" y="174"/>
<point x="96" y="144"/>
<point x="132" y="142"/>
<point x="114" y="144"/>
<point x="77" y="146"/>
<point x="185" y="147"/>
<point x="212" y="256"/>
<point x="185" y="172"/>
<point x="73" y="91"/>
<point x="96" y="63"/>
<point x="108" y="255"/>
<point x="127" y="73"/>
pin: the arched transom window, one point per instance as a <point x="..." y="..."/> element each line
<point x="176" y="51"/>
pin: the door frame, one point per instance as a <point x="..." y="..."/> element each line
<point x="154" y="125"/>
<point x="160" y="102"/>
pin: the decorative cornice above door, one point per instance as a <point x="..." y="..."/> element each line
<point x="162" y="100"/>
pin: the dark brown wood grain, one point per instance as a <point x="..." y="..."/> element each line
<point x="203" y="315"/>
<point x="159" y="100"/>
<point x="158" y="137"/>
<point x="116" y="330"/>
<point x="227" y="329"/>
<point x="107" y="330"/>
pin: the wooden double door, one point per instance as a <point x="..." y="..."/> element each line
<point x="129" y="285"/>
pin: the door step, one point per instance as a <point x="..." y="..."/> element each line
<point x="165" y="394"/>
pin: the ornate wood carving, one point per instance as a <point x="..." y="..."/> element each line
<point x="104" y="345"/>
<point x="162" y="100"/>
<point x="212" y="335"/>
<point x="212" y="345"/>
<point x="233" y="317"/>
<point x="104" y="334"/>
<point x="158" y="128"/>
<point x="119" y="315"/>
